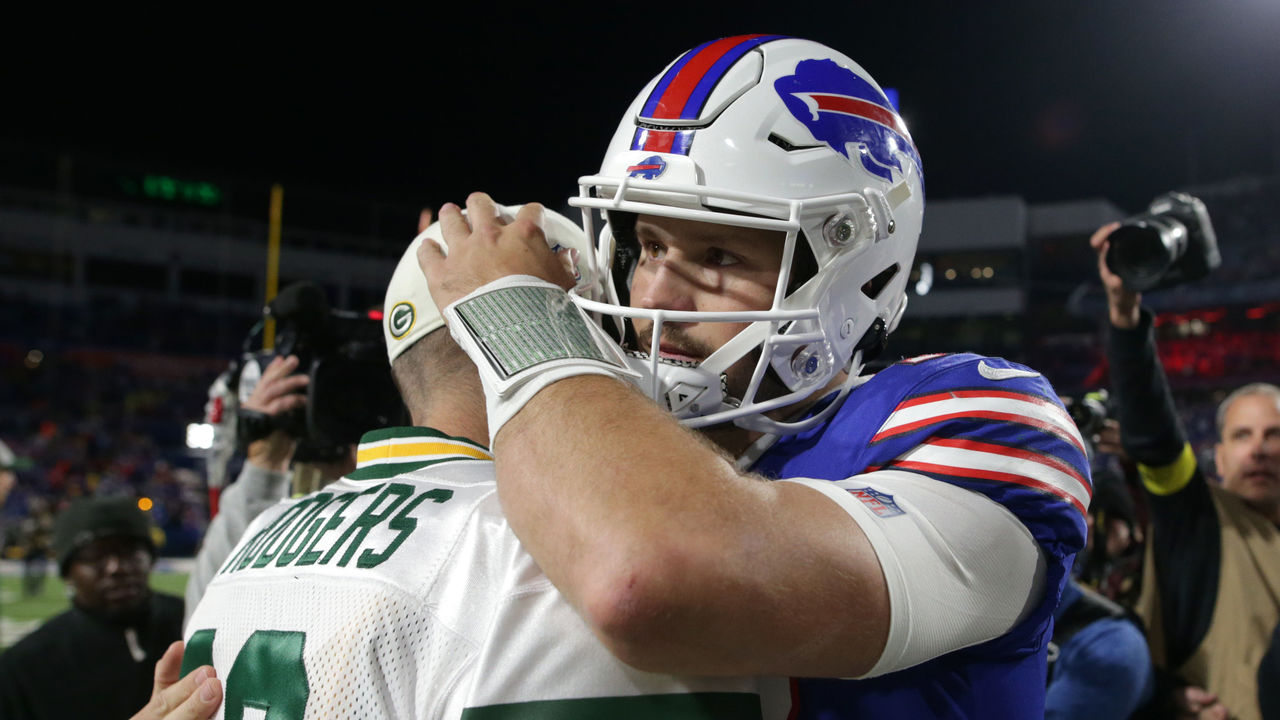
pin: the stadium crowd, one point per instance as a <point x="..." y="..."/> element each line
<point x="103" y="423"/>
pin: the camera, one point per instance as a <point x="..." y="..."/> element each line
<point x="1170" y="244"/>
<point x="350" y="390"/>
<point x="1088" y="412"/>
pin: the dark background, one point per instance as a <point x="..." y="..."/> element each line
<point x="1049" y="101"/>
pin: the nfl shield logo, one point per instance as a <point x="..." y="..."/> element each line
<point x="880" y="503"/>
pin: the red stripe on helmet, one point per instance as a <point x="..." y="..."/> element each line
<point x="659" y="140"/>
<point x="860" y="108"/>
<point x="671" y="104"/>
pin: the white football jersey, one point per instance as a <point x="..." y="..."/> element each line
<point x="401" y="592"/>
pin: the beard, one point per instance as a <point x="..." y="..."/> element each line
<point x="674" y="336"/>
<point x="737" y="378"/>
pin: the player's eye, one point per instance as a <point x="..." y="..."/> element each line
<point x="653" y="250"/>
<point x="720" y="258"/>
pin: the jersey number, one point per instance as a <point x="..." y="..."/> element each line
<point x="267" y="674"/>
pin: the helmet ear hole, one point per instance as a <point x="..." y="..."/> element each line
<point x="876" y="285"/>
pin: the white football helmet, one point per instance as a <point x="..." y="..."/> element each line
<point x="765" y="131"/>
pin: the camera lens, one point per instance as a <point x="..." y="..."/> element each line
<point x="1142" y="250"/>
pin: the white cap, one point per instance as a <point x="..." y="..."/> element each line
<point x="10" y="461"/>
<point x="408" y="312"/>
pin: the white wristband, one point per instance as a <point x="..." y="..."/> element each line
<point x="523" y="334"/>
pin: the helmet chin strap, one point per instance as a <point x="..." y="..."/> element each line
<point x="765" y="424"/>
<point x="774" y="429"/>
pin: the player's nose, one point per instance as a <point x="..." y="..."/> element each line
<point x="664" y="288"/>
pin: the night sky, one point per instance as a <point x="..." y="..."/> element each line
<point x="1051" y="101"/>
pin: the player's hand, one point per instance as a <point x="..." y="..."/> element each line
<point x="483" y="249"/>
<point x="194" y="697"/>
<point x="1122" y="303"/>
<point x="1195" y="702"/>
<point x="278" y="391"/>
<point x="1107" y="440"/>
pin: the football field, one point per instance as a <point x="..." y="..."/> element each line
<point x="20" y="613"/>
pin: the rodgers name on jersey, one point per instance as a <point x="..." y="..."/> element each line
<point x="326" y="528"/>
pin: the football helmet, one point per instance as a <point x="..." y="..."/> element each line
<point x="765" y="131"/>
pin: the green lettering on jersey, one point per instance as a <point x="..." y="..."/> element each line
<point x="268" y="551"/>
<point x="359" y="529"/>
<point x="345" y="499"/>
<point x="199" y="651"/>
<point x="241" y="558"/>
<point x="269" y="674"/>
<point x="251" y="549"/>
<point x="292" y="550"/>
<point x="404" y="525"/>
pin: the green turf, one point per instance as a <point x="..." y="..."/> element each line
<point x="19" y="614"/>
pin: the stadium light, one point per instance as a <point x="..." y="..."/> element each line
<point x="925" y="283"/>
<point x="199" y="436"/>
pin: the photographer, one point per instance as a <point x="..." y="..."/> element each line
<point x="1211" y="587"/>
<point x="297" y="410"/>
<point x="265" y="477"/>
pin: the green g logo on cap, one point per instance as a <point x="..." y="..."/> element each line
<point x="400" y="322"/>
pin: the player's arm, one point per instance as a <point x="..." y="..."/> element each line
<point x="677" y="561"/>
<point x="680" y="563"/>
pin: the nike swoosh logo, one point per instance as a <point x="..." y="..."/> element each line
<point x="995" y="373"/>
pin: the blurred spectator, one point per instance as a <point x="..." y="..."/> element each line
<point x="96" y="659"/>
<point x="1111" y="563"/>
<point x="37" y="528"/>
<point x="8" y="462"/>
<point x="1211" y="589"/>
<point x="1099" y="663"/>
<point x="1099" y="666"/>
<point x="8" y="478"/>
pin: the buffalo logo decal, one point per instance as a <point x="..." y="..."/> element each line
<point x="649" y="168"/>
<point x="845" y="111"/>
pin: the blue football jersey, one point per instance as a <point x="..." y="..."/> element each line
<point x="987" y="425"/>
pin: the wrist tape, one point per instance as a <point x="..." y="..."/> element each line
<point x="523" y="334"/>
